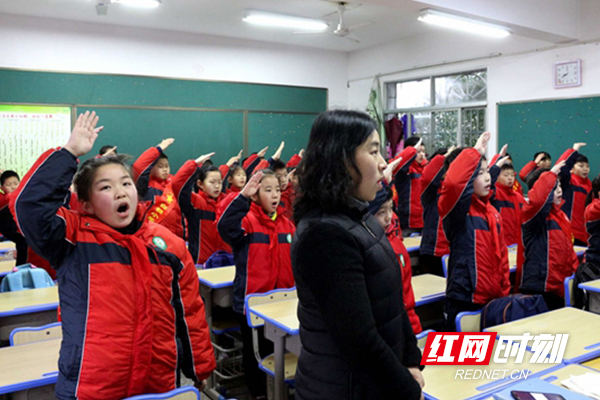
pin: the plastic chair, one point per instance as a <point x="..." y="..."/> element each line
<point x="29" y="334"/>
<point x="422" y="338"/>
<point x="415" y="234"/>
<point x="182" y="393"/>
<point x="445" y="265"/>
<point x="267" y="364"/>
<point x="468" y="321"/>
<point x="569" y="295"/>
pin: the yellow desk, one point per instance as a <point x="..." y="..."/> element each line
<point x="428" y="288"/>
<point x="28" y="366"/>
<point x="593" y="291"/>
<point x="512" y="255"/>
<point x="28" y="301"/>
<point x="7" y="266"/>
<point x="583" y="328"/>
<point x="412" y="243"/>
<point x="8" y="245"/>
<point x="595" y="363"/>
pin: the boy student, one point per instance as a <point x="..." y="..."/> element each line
<point x="547" y="238"/>
<point x="152" y="175"/>
<point x="541" y="159"/>
<point x="434" y="244"/>
<point x="284" y="173"/>
<point x="508" y="201"/>
<point x="408" y="187"/>
<point x="478" y="265"/>
<point x="132" y="316"/>
<point x="575" y="191"/>
<point x="9" y="181"/>
<point x="261" y="240"/>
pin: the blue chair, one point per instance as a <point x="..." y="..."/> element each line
<point x="468" y="321"/>
<point x="569" y="295"/>
<point x="30" y="334"/>
<point x="267" y="364"/>
<point x="422" y="338"/>
<point x="26" y="276"/>
<point x="445" y="265"/>
<point x="182" y="393"/>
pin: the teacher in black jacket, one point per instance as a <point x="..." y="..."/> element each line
<point x="357" y="341"/>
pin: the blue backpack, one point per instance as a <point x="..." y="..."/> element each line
<point x="26" y="276"/>
<point x="505" y="309"/>
<point x="220" y="258"/>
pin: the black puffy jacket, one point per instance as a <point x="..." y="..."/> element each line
<point x="357" y="341"/>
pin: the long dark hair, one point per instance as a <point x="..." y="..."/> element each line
<point x="593" y="194"/>
<point x="323" y="177"/>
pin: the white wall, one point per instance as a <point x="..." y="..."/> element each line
<point x="57" y="45"/>
<point x="520" y="77"/>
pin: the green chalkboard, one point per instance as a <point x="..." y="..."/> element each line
<point x="552" y="126"/>
<point x="269" y="129"/>
<point x="202" y="116"/>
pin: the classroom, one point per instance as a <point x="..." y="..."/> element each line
<point x="355" y="195"/>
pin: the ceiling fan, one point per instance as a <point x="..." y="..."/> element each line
<point x="341" y="30"/>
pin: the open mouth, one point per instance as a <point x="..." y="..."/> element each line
<point x="274" y="204"/>
<point x="123" y="210"/>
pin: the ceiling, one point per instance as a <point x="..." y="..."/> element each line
<point x="554" y="21"/>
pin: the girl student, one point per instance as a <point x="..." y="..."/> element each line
<point x="200" y="208"/>
<point x="260" y="238"/>
<point x="128" y="288"/>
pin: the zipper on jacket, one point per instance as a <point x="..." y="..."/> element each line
<point x="367" y="228"/>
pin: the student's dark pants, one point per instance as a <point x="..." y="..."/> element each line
<point x="553" y="301"/>
<point x="256" y="379"/>
<point x="451" y="309"/>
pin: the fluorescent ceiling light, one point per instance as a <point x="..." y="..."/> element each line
<point x="139" y="3"/>
<point x="462" y="23"/>
<point x="284" y="21"/>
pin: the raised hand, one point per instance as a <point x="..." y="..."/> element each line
<point x="84" y="134"/>
<point x="450" y="150"/>
<point x="388" y="172"/>
<point x="503" y="151"/>
<point x="110" y="152"/>
<point x="166" y="143"/>
<point x="502" y="161"/>
<point x="262" y="153"/>
<point x="277" y="154"/>
<point x="539" y="158"/>
<point x="557" y="167"/>
<point x="202" y="159"/>
<point x="482" y="142"/>
<point x="577" y="146"/>
<point x="252" y="185"/>
<point x="301" y="153"/>
<point x="419" y="144"/>
<point x="234" y="159"/>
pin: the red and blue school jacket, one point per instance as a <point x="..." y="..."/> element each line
<point x="478" y="268"/>
<point x="592" y="224"/>
<point x="408" y="187"/>
<point x="165" y="209"/>
<point x="129" y="303"/>
<point x="433" y="240"/>
<point x="261" y="249"/>
<point x="526" y="170"/>
<point x="509" y="203"/>
<point x="200" y="211"/>
<point x="394" y="235"/>
<point x="547" y="239"/>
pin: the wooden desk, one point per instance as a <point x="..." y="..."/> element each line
<point x="428" y="288"/>
<point x="583" y="327"/>
<point x="28" y="301"/>
<point x="593" y="290"/>
<point x="7" y="245"/>
<point x="595" y="363"/>
<point x="412" y="244"/>
<point x="282" y="327"/>
<point x="579" y="250"/>
<point x="441" y="382"/>
<point x="7" y="266"/>
<point x="29" y="365"/>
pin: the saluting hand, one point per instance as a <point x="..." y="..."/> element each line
<point x="84" y="134"/>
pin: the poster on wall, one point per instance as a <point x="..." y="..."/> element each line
<point x="27" y="131"/>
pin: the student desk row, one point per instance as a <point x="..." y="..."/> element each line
<point x="282" y="326"/>
<point x="6" y="267"/>
<point x="34" y="307"/>
<point x="6" y="246"/>
<point x="593" y="291"/>
<point x="512" y="255"/>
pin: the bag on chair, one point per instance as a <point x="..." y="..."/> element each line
<point x="505" y="309"/>
<point x="26" y="276"/>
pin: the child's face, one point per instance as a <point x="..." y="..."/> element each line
<point x="420" y="154"/>
<point x="507" y="178"/>
<point x="113" y="196"/>
<point x="269" y="194"/>
<point x="545" y="163"/>
<point x="581" y="169"/>
<point x="482" y="181"/>
<point x="238" y="179"/>
<point x="557" y="194"/>
<point x="161" y="169"/>
<point x="384" y="214"/>
<point x="370" y="166"/>
<point x="212" y="185"/>
<point x="282" y="177"/>
<point x="10" y="185"/>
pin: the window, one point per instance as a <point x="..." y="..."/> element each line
<point x="444" y="110"/>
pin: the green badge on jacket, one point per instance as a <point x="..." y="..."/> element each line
<point x="159" y="242"/>
<point x="402" y="263"/>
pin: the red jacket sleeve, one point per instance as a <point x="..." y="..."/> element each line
<point x="199" y="362"/>
<point x="431" y="171"/>
<point x="224" y="170"/>
<point x="408" y="155"/>
<point x="494" y="160"/>
<point x="263" y="164"/>
<point x="540" y="198"/>
<point x="294" y="161"/>
<point x="457" y="189"/>
<point x="183" y="185"/>
<point x="592" y="211"/>
<point x="527" y="169"/>
<point x="3" y="200"/>
<point x="145" y="162"/>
